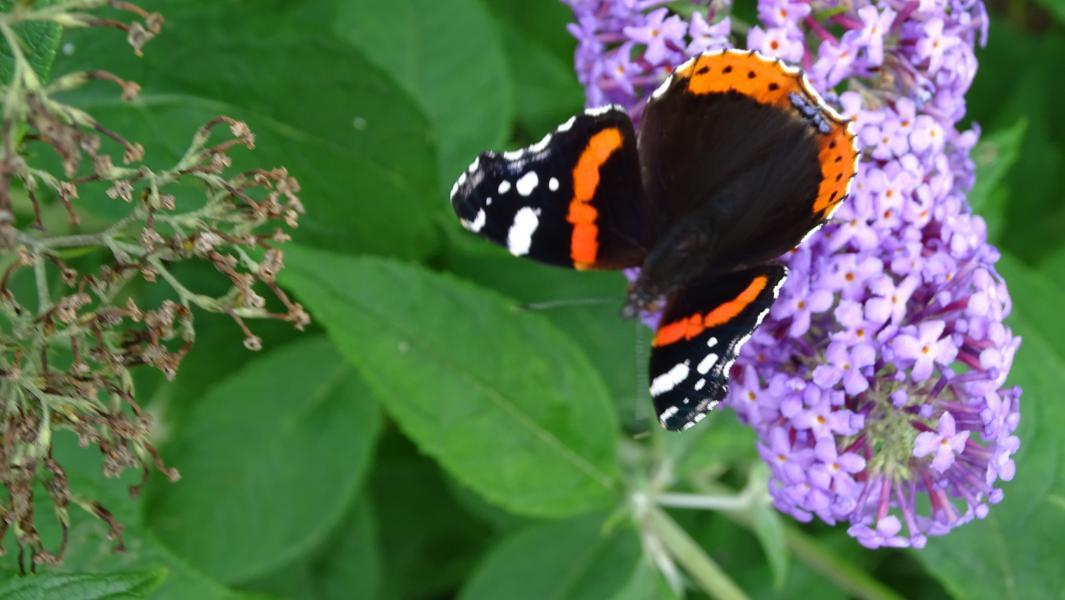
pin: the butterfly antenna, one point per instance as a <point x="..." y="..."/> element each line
<point x="568" y="303"/>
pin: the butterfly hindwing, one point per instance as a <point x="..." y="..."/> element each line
<point x="574" y="199"/>
<point x="701" y="332"/>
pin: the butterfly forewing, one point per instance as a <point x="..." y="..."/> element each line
<point x="743" y="144"/>
<point x="574" y="199"/>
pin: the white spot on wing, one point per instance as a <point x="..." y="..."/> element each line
<point x="666" y="414"/>
<point x="704" y="365"/>
<point x="527" y="183"/>
<point x="477" y="223"/>
<point x="504" y="187"/>
<point x="700" y="384"/>
<point x="519" y="237"/>
<point x="565" y="126"/>
<point x="514" y="154"/>
<point x="669" y="380"/>
<point x="552" y="184"/>
<point x="710" y="343"/>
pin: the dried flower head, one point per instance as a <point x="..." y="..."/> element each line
<point x="66" y="350"/>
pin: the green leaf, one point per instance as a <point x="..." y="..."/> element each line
<point x="449" y="56"/>
<point x="428" y="548"/>
<point x="646" y="582"/>
<point x="87" y="586"/>
<point x="546" y="85"/>
<point x="1019" y="79"/>
<point x="546" y="25"/>
<point x="1053" y="268"/>
<point x="358" y="144"/>
<point x="39" y="43"/>
<point x="769" y="529"/>
<point x="89" y="551"/>
<point x="347" y="565"/>
<point x="1036" y="299"/>
<point x="1055" y="8"/>
<point x="723" y="442"/>
<point x="583" y="304"/>
<point x="270" y="460"/>
<point x="499" y="397"/>
<point x="1015" y="552"/>
<point x="994" y="156"/>
<point x="566" y="559"/>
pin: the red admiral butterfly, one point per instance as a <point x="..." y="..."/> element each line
<point x="737" y="161"/>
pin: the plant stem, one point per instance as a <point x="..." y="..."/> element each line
<point x="44" y="298"/>
<point x="711" y="578"/>
<point x="826" y="562"/>
<point x="704" y="502"/>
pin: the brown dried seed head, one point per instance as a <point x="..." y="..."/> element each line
<point x="133" y="153"/>
<point x="120" y="189"/>
<point x="253" y="343"/>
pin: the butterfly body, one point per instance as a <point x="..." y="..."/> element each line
<point x="737" y="160"/>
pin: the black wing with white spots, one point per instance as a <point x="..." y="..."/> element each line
<point x="574" y="199"/>
<point x="701" y="332"/>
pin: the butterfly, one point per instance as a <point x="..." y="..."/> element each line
<point x="738" y="159"/>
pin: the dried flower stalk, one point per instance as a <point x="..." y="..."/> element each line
<point x="67" y="347"/>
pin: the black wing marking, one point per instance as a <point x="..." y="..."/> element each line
<point x="701" y="332"/>
<point x="574" y="199"/>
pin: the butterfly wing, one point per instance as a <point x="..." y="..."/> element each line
<point x="701" y="332"/>
<point x="744" y="142"/>
<point x="574" y="199"/>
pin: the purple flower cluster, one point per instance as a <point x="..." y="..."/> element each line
<point x="876" y="386"/>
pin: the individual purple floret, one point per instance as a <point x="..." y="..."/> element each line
<point x="876" y="383"/>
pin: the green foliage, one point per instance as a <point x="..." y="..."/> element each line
<point x="461" y="423"/>
<point x="41" y="41"/>
<point x="994" y="156"/>
<point x="347" y="565"/>
<point x="455" y="385"/>
<point x="1019" y="80"/>
<point x="576" y="558"/>
<point x="449" y="57"/>
<point x="88" y="586"/>
<point x="352" y="137"/>
<point x="296" y="428"/>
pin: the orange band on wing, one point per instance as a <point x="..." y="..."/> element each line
<point x="769" y="81"/>
<point x="585" y="244"/>
<point x="689" y="327"/>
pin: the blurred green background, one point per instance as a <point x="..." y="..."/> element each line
<point x="297" y="480"/>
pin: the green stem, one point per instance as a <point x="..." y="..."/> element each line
<point x="826" y="562"/>
<point x="834" y="567"/>
<point x="704" y="502"/>
<point x="44" y="298"/>
<point x="691" y="556"/>
<point x="187" y="296"/>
